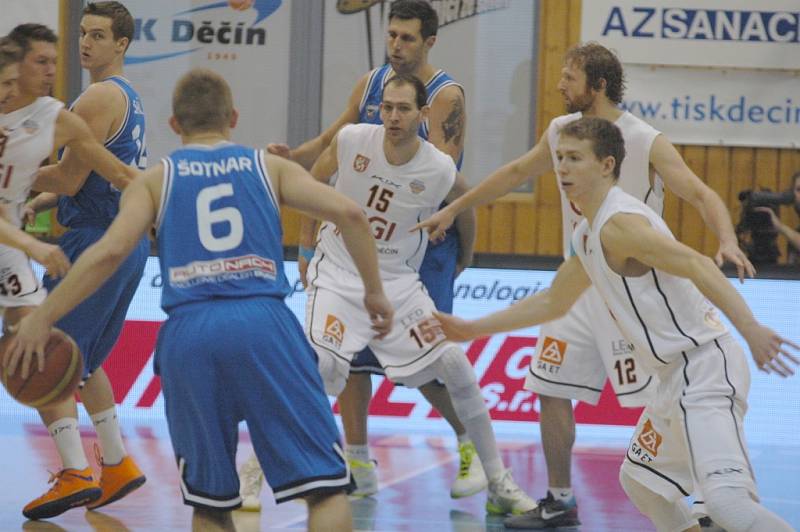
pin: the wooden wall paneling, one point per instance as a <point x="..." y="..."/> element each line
<point x="524" y="231"/>
<point x="482" y="229"/>
<point x="290" y="219"/>
<point x="501" y="228"/>
<point x="693" y="228"/>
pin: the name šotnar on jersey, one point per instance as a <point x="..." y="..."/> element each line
<point x="214" y="168"/>
<point x="223" y="269"/>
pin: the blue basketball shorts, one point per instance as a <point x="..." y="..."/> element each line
<point x="230" y="360"/>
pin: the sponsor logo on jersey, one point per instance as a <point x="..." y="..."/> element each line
<point x="553" y="351"/>
<point x="649" y="439"/>
<point x="372" y="111"/>
<point x="223" y="269"/>
<point x="621" y="347"/>
<point x="334" y="331"/>
<point x="30" y="126"/>
<point x="360" y="163"/>
<point x="711" y="319"/>
<point x="417" y="186"/>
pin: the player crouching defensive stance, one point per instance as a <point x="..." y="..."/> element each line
<point x="230" y="344"/>
<point x="397" y="178"/>
<point x="656" y="290"/>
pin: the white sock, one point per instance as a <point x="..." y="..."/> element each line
<point x="107" y="427"/>
<point x="463" y="438"/>
<point x="561" y="494"/>
<point x="68" y="442"/>
<point x="357" y="452"/>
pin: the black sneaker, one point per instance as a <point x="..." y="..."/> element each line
<point x="708" y="525"/>
<point x="549" y="513"/>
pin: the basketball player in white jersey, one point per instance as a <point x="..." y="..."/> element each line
<point x="410" y="35"/>
<point x="574" y="354"/>
<point x="658" y="292"/>
<point x="397" y="178"/>
<point x="34" y="126"/>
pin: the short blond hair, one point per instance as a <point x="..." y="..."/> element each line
<point x="202" y="101"/>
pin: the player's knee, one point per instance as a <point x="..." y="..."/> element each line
<point x="333" y="378"/>
<point x="730" y="507"/>
<point x="666" y="515"/>
<point x="458" y="376"/>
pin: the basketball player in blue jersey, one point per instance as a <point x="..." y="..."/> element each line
<point x="411" y="33"/>
<point x="658" y="290"/>
<point x="86" y="207"/>
<point x="231" y="349"/>
<point x="592" y="83"/>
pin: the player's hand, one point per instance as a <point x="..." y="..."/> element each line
<point x="436" y="225"/>
<point x="380" y="312"/>
<point x="456" y="329"/>
<point x="281" y="150"/>
<point x="731" y="252"/>
<point x="30" y="339"/>
<point x="302" y="267"/>
<point x="28" y="214"/>
<point x="51" y="257"/>
<point x="770" y="351"/>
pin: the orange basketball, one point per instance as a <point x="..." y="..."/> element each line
<point x="63" y="368"/>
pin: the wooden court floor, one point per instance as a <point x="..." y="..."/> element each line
<point x="415" y="471"/>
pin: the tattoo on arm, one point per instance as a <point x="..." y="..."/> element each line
<point x="453" y="125"/>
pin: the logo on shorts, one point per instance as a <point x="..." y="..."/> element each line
<point x="334" y="331"/>
<point x="30" y="126"/>
<point x="553" y="351"/>
<point x="360" y="163"/>
<point x="649" y="439"/>
<point x="417" y="186"/>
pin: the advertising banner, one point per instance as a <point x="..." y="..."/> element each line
<point x="500" y="361"/>
<point x="723" y="33"/>
<point x="749" y="96"/>
<point x="247" y="41"/>
<point x="723" y="107"/>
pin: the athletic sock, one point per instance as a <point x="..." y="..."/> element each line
<point x="561" y="494"/>
<point x="463" y="438"/>
<point x="68" y="442"/>
<point x="357" y="452"/>
<point x="480" y="430"/>
<point x="107" y="426"/>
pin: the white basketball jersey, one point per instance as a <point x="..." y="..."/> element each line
<point x="659" y="313"/>
<point x="634" y="175"/>
<point x="26" y="140"/>
<point x="394" y="198"/>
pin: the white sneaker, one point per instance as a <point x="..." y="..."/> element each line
<point x="365" y="476"/>
<point x="251" y="478"/>
<point x="471" y="479"/>
<point x="505" y="497"/>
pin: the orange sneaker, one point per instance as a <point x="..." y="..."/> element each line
<point x="71" y="488"/>
<point x="116" y="480"/>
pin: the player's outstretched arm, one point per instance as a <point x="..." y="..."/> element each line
<point x="137" y="213"/>
<point x="72" y="131"/>
<point x="465" y="223"/>
<point x="534" y="163"/>
<point x="630" y="236"/>
<point x="300" y="191"/>
<point x="98" y="107"/>
<point x="570" y="282"/>
<point x="309" y="151"/>
<point x="680" y="179"/>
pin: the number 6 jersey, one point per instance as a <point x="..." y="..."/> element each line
<point x="394" y="198"/>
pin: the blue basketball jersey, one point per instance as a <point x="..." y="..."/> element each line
<point x="369" y="108"/>
<point x="97" y="202"/>
<point x="218" y="227"/>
